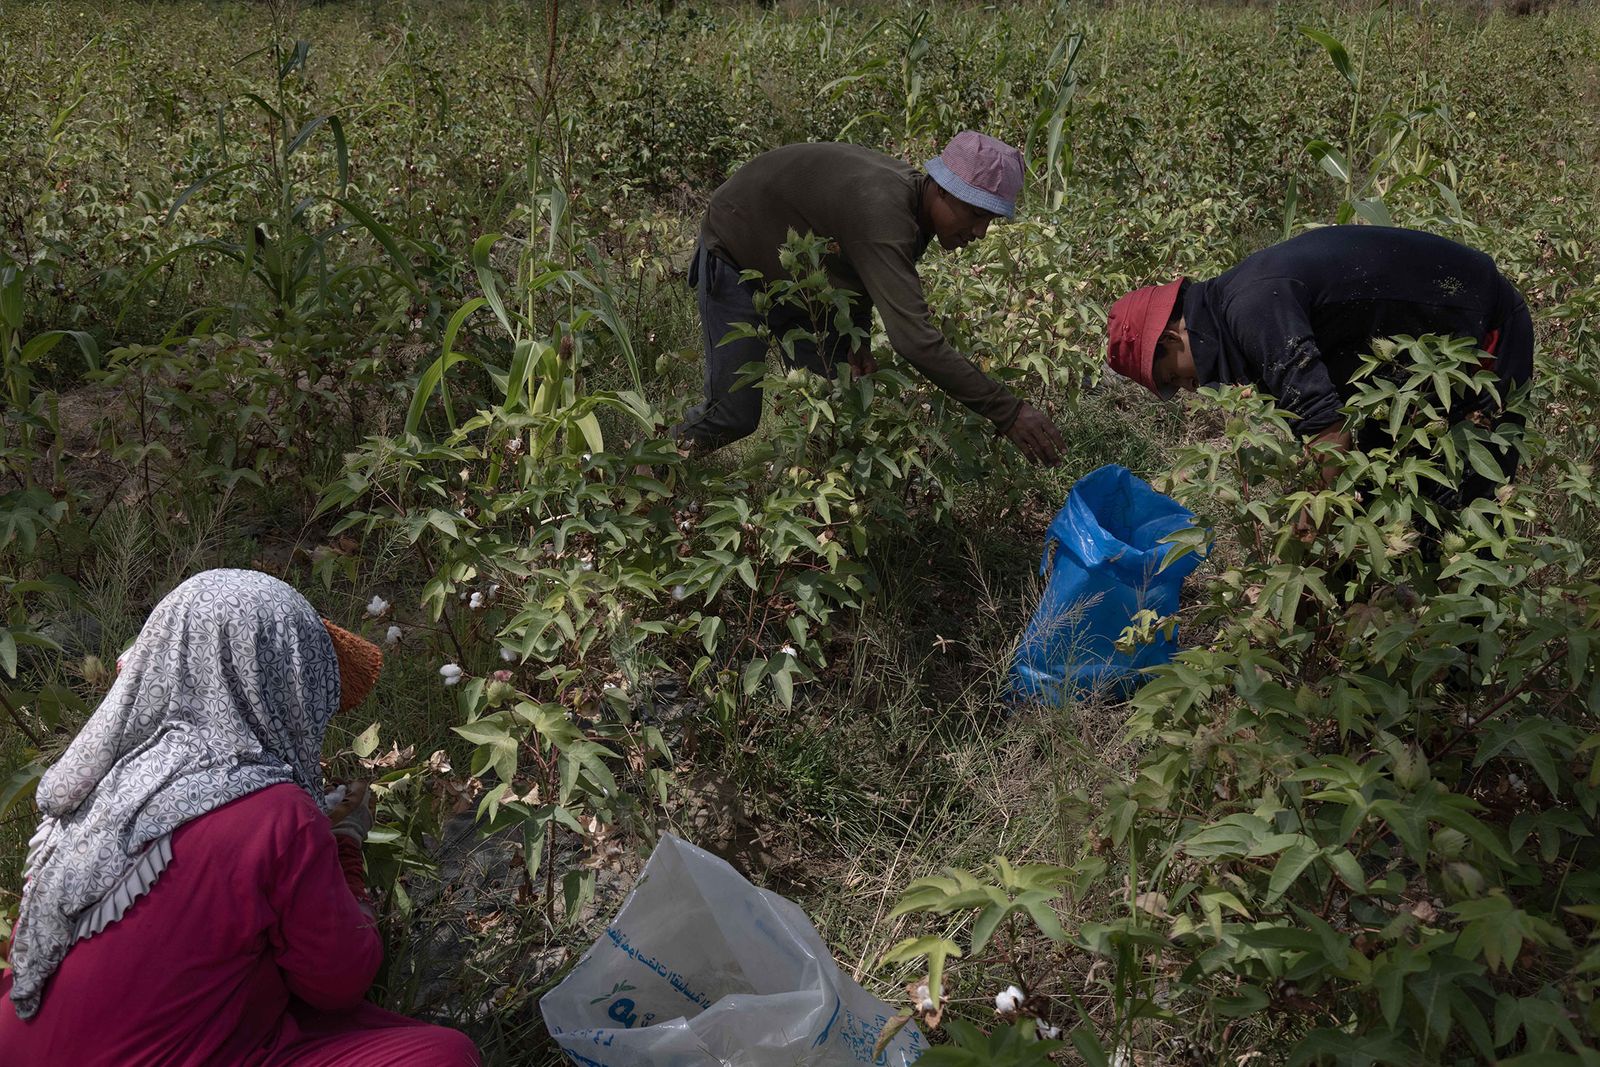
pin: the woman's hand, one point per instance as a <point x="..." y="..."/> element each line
<point x="352" y="815"/>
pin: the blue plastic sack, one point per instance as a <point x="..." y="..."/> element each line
<point x="1103" y="557"/>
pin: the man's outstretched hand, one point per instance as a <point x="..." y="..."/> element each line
<point x="1036" y="436"/>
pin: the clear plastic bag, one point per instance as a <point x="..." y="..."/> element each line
<point x="700" y="967"/>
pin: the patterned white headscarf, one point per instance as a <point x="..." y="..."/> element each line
<point x="227" y="690"/>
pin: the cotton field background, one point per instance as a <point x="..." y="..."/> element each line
<point x="388" y="299"/>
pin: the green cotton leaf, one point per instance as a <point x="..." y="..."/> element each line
<point x="1347" y="867"/>
<point x="988" y="921"/>
<point x="18" y="786"/>
<point x="936" y="949"/>
<point x="1043" y="916"/>
<point x="754" y="671"/>
<point x="484" y="731"/>
<point x="1483" y="462"/>
<point x="1249" y="1001"/>
<point x="1336" y="1046"/>
<point x="533" y="844"/>
<point x="1291" y="864"/>
<point x="577" y="889"/>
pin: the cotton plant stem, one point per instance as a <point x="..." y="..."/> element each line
<point x="16" y="717"/>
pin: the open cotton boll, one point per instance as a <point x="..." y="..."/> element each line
<point x="451" y="673"/>
<point x="1008" y="1000"/>
<point x="377" y="606"/>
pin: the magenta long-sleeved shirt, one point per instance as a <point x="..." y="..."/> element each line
<point x="251" y="922"/>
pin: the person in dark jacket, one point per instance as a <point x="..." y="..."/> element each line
<point x="880" y="214"/>
<point x="1295" y="320"/>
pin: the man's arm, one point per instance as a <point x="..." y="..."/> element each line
<point x="891" y="280"/>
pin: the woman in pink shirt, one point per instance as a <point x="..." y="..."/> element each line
<point x="187" y="901"/>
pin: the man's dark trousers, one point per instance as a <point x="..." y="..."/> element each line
<point x="728" y="413"/>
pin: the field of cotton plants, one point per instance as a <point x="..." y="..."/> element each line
<point x="387" y="299"/>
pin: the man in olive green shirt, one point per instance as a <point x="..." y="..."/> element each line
<point x="881" y="214"/>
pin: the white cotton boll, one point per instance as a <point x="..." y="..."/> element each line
<point x="1120" y="1058"/>
<point x="679" y="592"/>
<point x="450" y="673"/>
<point x="392" y="637"/>
<point x="494" y="590"/>
<point x="786" y="650"/>
<point x="926" y="1004"/>
<point x="476" y="602"/>
<point x="587" y="456"/>
<point x="509" y="655"/>
<point x="1045" y="1030"/>
<point x="586" y="565"/>
<point x="377" y="606"/>
<point x="1008" y="1000"/>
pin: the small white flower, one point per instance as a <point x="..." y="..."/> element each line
<point x="679" y="592"/>
<point x="393" y="636"/>
<point x="450" y="673"/>
<point x="377" y="606"/>
<point x="509" y="655"/>
<point x="476" y="602"/>
<point x="587" y="456"/>
<point x="1046" y="1031"/>
<point x="1008" y="1000"/>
